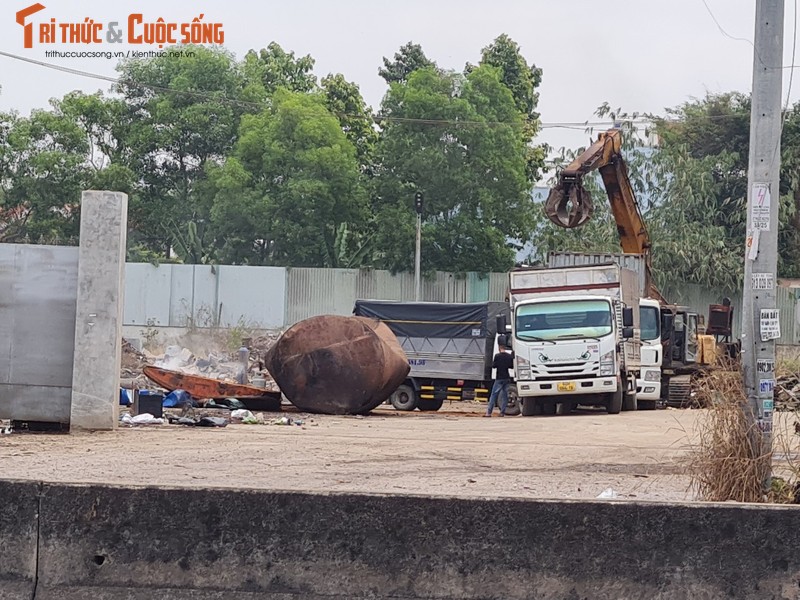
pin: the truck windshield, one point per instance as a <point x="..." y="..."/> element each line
<point x="563" y="319"/>
<point x="649" y="323"/>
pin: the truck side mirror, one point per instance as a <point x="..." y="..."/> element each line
<point x="627" y="317"/>
<point x="627" y="333"/>
<point x="502" y="324"/>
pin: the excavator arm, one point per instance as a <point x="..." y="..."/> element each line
<point x="570" y="204"/>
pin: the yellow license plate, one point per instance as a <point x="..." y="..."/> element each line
<point x="566" y="387"/>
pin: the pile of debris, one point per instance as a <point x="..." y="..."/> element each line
<point x="216" y="364"/>
<point x="133" y="361"/>
<point x="787" y="393"/>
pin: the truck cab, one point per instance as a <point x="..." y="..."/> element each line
<point x="648" y="382"/>
<point x="573" y="335"/>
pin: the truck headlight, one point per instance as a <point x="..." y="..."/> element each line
<point x="607" y="365"/>
<point x="652" y="376"/>
<point x="522" y="369"/>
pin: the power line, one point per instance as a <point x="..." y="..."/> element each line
<point x="776" y="151"/>
<point x="261" y="105"/>
<point x="378" y="118"/>
<point x="724" y="32"/>
<point x="722" y="29"/>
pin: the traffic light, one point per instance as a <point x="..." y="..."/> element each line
<point x="418" y="202"/>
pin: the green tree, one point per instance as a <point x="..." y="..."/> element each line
<point x="43" y="169"/>
<point x="291" y="185"/>
<point x="456" y="140"/>
<point x="408" y="59"/>
<point x="789" y="235"/>
<point x="694" y="224"/>
<point x="183" y="115"/>
<point x="344" y="100"/>
<point x="271" y="68"/>
<point x="712" y="135"/>
<point x="523" y="80"/>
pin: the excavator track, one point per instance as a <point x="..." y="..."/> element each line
<point x="680" y="391"/>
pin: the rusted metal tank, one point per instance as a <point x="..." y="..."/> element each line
<point x="337" y="365"/>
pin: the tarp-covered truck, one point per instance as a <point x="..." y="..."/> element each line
<point x="450" y="348"/>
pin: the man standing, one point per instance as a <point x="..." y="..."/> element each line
<point x="503" y="362"/>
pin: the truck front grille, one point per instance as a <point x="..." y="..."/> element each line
<point x="563" y="370"/>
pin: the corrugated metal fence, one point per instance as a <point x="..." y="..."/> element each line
<point x="276" y="297"/>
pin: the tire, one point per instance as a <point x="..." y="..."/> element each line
<point x="531" y="407"/>
<point x="564" y="408"/>
<point x="549" y="408"/>
<point x="647" y="404"/>
<point x="429" y="405"/>
<point x="404" y="398"/>
<point x="513" y="408"/>
<point x="614" y="403"/>
<point x="629" y="400"/>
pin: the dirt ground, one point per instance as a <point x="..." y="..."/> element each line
<point x="451" y="453"/>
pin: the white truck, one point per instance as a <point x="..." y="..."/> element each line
<point x="668" y="333"/>
<point x="575" y="335"/>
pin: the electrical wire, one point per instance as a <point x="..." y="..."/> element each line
<point x="378" y="118"/>
<point x="776" y="152"/>
<point x="722" y="29"/>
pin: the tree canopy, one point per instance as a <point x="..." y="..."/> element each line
<point x="259" y="161"/>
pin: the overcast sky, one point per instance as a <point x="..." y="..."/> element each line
<point x="642" y="55"/>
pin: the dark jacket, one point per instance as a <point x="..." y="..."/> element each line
<point x="503" y="362"/>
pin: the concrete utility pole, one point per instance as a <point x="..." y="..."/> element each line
<point x="760" y="324"/>
<point x="418" y="253"/>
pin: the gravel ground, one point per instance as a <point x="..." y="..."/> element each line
<point x="451" y="453"/>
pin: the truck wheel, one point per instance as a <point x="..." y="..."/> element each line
<point x="404" y="398"/>
<point x="614" y="405"/>
<point x="429" y="405"/>
<point x="628" y="400"/>
<point x="513" y="408"/>
<point x="531" y="407"/>
<point x="564" y="408"/>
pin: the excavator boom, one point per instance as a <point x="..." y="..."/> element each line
<point x="570" y="204"/>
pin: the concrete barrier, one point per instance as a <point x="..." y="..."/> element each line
<point x="114" y="542"/>
<point x="19" y="507"/>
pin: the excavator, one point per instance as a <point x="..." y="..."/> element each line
<point x="670" y="358"/>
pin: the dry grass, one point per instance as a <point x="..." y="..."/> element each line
<point x="788" y="362"/>
<point x="728" y="459"/>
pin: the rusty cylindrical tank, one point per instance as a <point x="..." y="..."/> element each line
<point x="337" y="365"/>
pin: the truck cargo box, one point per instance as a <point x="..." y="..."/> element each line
<point x="632" y="262"/>
<point x="442" y="340"/>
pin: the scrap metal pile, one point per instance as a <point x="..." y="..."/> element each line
<point x="327" y="364"/>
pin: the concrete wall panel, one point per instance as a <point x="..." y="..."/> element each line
<point x="18" y="539"/>
<point x="38" y="289"/>
<point x="104" y="542"/>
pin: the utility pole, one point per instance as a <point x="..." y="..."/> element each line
<point x="760" y="324"/>
<point x="418" y="253"/>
